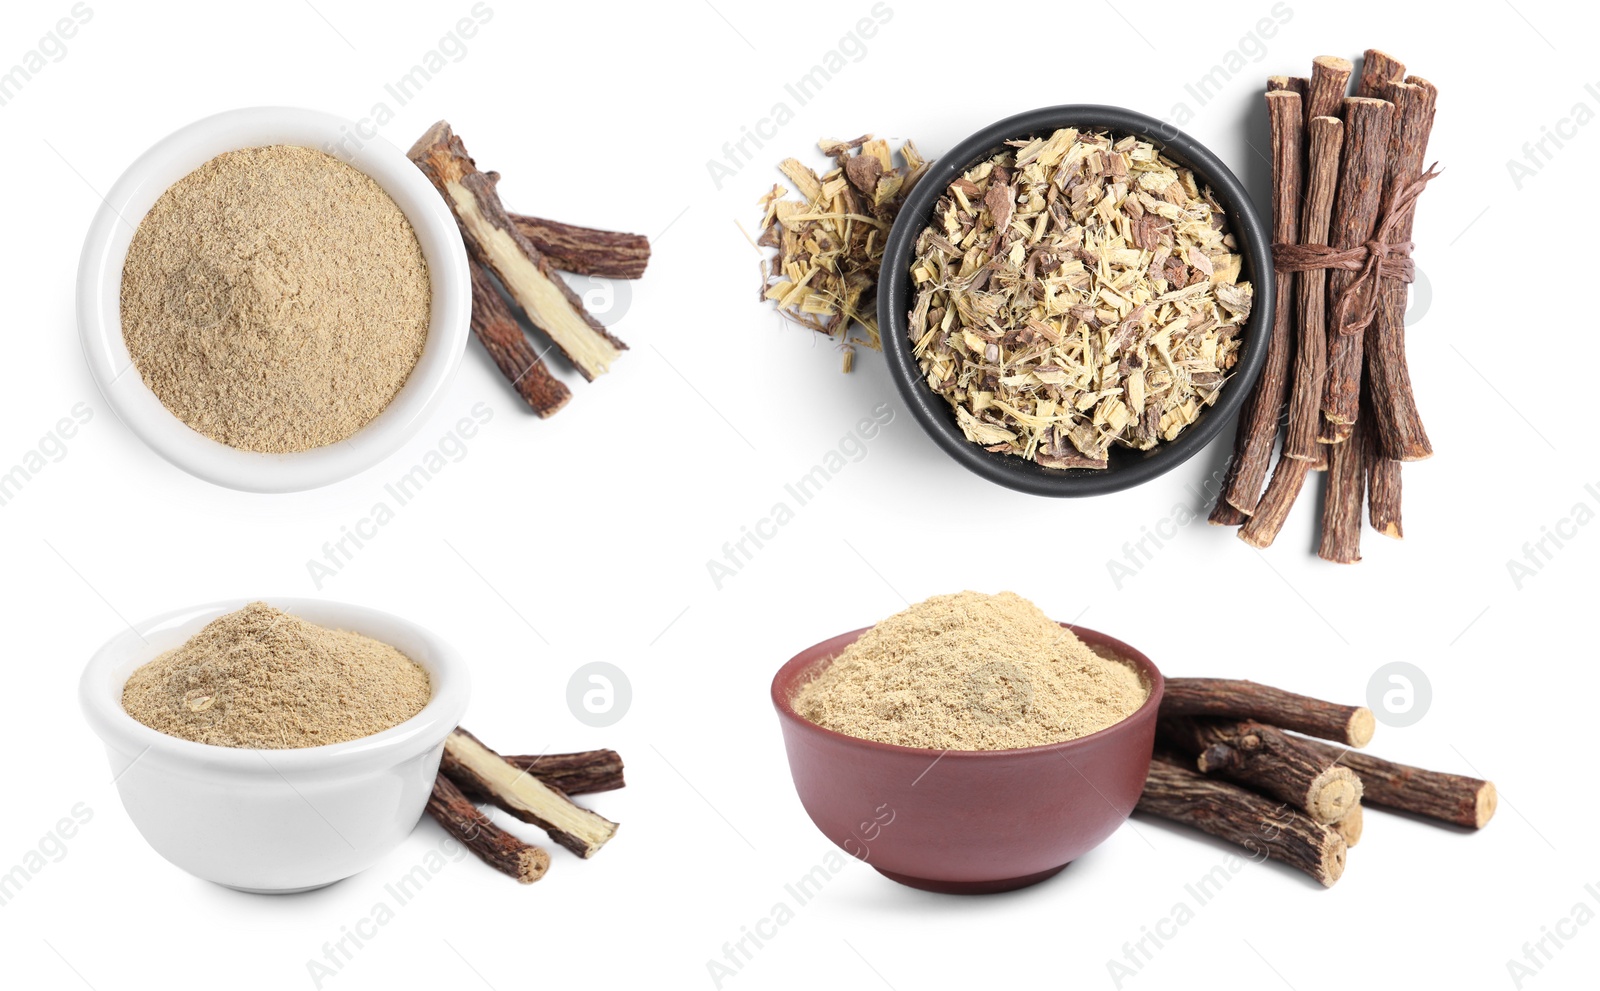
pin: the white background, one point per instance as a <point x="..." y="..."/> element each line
<point x="594" y="528"/>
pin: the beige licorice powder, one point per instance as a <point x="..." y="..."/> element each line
<point x="971" y="672"/>
<point x="275" y="299"/>
<point x="262" y="678"/>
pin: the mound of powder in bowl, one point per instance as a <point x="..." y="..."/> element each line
<point x="264" y="679"/>
<point x="275" y="299"/>
<point x="971" y="672"/>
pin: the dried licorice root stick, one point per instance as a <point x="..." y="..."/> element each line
<point x="1342" y="503"/>
<point x="503" y="338"/>
<point x="1351" y="825"/>
<point x="1325" y="140"/>
<point x="494" y="241"/>
<point x="493" y="845"/>
<point x="1288" y="478"/>
<point x="1225" y="513"/>
<point x="1438" y="795"/>
<point x="1330" y="77"/>
<point x="1377" y="68"/>
<point x="575" y="774"/>
<point x="1258" y="422"/>
<point x="1401" y="435"/>
<point x="1295" y="84"/>
<point x="1228" y="812"/>
<point x="1301" y="452"/>
<point x="1269" y="761"/>
<point x="1355" y="214"/>
<point x="1383" y="488"/>
<point x="584" y="250"/>
<point x="476" y="768"/>
<point x="1229" y="698"/>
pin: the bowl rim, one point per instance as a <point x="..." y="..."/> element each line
<point x="933" y="413"/>
<point x="794" y="668"/>
<point x="100" y="693"/>
<point x="99" y="281"/>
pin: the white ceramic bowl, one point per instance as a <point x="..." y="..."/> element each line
<point x="274" y="820"/>
<point x="100" y="287"/>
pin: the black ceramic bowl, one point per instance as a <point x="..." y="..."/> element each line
<point x="1125" y="467"/>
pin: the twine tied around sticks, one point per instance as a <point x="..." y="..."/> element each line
<point x="1380" y="257"/>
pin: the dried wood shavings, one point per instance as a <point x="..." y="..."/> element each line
<point x="1075" y="292"/>
<point x="830" y="242"/>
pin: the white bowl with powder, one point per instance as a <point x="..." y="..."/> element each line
<point x="105" y="253"/>
<point x="276" y="820"/>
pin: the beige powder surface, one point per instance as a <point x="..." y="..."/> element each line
<point x="971" y="672"/>
<point x="275" y="299"/>
<point x="264" y="679"/>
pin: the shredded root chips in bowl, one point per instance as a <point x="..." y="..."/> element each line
<point x="1073" y="300"/>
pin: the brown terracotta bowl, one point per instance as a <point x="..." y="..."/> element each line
<point x="967" y="821"/>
